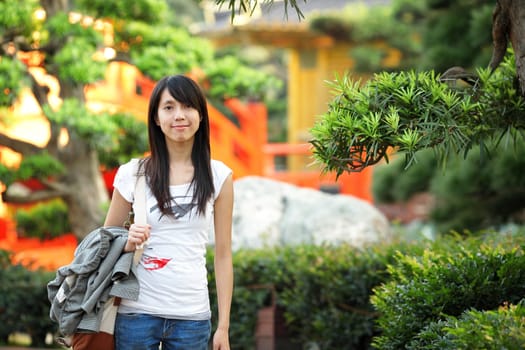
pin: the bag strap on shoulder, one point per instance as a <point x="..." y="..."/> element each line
<point x="140" y="211"/>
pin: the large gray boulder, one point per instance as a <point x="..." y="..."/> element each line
<point x="271" y="213"/>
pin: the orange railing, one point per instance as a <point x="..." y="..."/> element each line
<point x="356" y="184"/>
<point x="233" y="145"/>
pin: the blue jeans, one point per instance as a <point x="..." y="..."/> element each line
<point x="147" y="332"/>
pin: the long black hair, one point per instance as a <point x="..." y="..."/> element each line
<point x="156" y="166"/>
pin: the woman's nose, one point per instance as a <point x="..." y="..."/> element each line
<point x="178" y="112"/>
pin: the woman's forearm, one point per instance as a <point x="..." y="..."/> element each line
<point x="224" y="283"/>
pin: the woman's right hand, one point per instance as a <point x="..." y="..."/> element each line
<point x="137" y="236"/>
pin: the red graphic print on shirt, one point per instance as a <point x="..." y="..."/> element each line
<point x="154" y="263"/>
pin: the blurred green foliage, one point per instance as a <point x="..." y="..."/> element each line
<point x="44" y="220"/>
<point x="24" y="306"/>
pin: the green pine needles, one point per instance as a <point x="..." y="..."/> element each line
<point x="411" y="111"/>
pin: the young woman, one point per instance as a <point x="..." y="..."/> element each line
<point x="189" y="196"/>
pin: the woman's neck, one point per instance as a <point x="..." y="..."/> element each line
<point x="181" y="165"/>
<point x="180" y="154"/>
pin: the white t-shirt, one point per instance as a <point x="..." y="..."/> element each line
<point x="172" y="271"/>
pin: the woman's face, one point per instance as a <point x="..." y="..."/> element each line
<point x="178" y="122"/>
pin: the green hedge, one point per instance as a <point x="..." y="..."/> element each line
<point x="417" y="295"/>
<point x="503" y="328"/>
<point x="453" y="277"/>
<point x="326" y="292"/>
<point x="323" y="290"/>
<point x="24" y="306"/>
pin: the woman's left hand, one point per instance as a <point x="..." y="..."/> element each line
<point x="221" y="340"/>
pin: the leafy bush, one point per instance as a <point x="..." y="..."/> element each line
<point x="131" y="140"/>
<point x="7" y="175"/>
<point x="494" y="329"/>
<point x="39" y="166"/>
<point x="24" y="306"/>
<point x="324" y="292"/>
<point x="44" y="220"/>
<point x="401" y="295"/>
<point x="452" y="277"/>
<point x="255" y="274"/>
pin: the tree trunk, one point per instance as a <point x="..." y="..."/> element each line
<point x="508" y="24"/>
<point x="87" y="193"/>
<point x="54" y="6"/>
<point x="517" y="38"/>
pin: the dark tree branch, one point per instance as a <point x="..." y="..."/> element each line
<point x="56" y="186"/>
<point x="500" y="38"/>
<point x="41" y="94"/>
<point x="39" y="91"/>
<point x="25" y="148"/>
<point x="31" y="197"/>
<point x="508" y="24"/>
